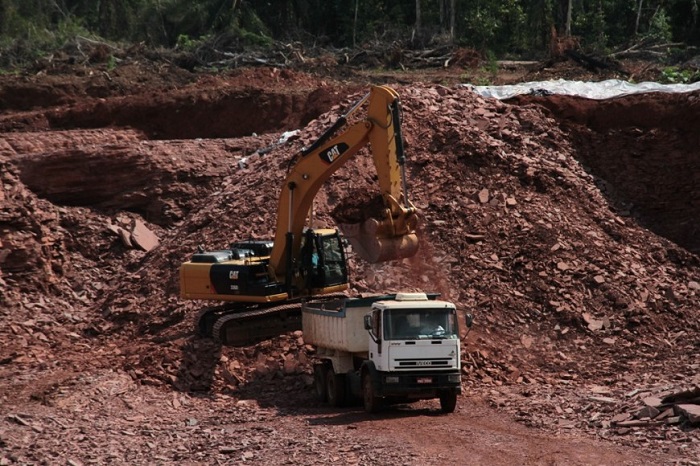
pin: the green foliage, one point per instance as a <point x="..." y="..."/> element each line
<point x="677" y="75"/>
<point x="497" y="25"/>
<point x="481" y="26"/>
<point x="659" y="27"/>
<point x="186" y="43"/>
<point x="684" y="18"/>
<point x="251" y="29"/>
<point x="111" y="63"/>
<point x="491" y="66"/>
<point x="591" y="25"/>
<point x="515" y="27"/>
<point x="251" y="38"/>
<point x="24" y="40"/>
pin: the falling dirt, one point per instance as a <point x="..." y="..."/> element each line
<point x="569" y="228"/>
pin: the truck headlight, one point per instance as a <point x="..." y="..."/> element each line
<point x="391" y="379"/>
<point x="454" y="378"/>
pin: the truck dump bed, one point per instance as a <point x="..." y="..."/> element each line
<point x="337" y="324"/>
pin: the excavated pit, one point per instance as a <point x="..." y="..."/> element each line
<point x="149" y="154"/>
<point x="208" y="113"/>
<point x="644" y="151"/>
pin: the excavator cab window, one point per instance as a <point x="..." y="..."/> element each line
<point x="323" y="260"/>
<point x="334" y="269"/>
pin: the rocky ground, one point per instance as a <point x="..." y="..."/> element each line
<point x="568" y="227"/>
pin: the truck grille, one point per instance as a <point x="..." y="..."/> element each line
<point x="413" y="363"/>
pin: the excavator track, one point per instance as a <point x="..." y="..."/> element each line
<point x="243" y="324"/>
<point x="249" y="327"/>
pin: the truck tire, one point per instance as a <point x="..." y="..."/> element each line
<point x="448" y="401"/>
<point x="335" y="388"/>
<point x="372" y="403"/>
<point x="320" y="382"/>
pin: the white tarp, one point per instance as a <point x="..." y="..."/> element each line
<point x="591" y="90"/>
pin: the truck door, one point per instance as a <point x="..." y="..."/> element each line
<point x="377" y="329"/>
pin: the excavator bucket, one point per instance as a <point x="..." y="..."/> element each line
<point x="372" y="247"/>
<point x="380" y="229"/>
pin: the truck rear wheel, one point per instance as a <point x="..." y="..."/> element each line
<point x="448" y="401"/>
<point x="335" y="388"/>
<point x="320" y="382"/>
<point x="369" y="397"/>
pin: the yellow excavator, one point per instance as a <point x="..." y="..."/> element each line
<point x="263" y="282"/>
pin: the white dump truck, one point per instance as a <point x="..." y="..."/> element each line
<point x="396" y="348"/>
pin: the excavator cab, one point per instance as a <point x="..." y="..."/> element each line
<point x="322" y="260"/>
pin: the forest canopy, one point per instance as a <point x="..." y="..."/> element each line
<point x="516" y="28"/>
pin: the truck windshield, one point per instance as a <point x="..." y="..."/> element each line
<point x="416" y="324"/>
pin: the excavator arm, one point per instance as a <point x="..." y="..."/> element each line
<point x="392" y="235"/>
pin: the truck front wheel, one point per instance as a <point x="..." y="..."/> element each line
<point x="369" y="397"/>
<point x="448" y="401"/>
<point x="320" y="382"/>
<point x="335" y="388"/>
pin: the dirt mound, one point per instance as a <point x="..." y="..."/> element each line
<point x="640" y="150"/>
<point x="527" y="214"/>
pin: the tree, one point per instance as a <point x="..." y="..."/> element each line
<point x="418" y="16"/>
<point x="639" y="14"/>
<point x="500" y="26"/>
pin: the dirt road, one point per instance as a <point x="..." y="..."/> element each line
<point x="104" y="417"/>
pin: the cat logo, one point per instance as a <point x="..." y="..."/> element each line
<point x="332" y="153"/>
<point x="233" y="275"/>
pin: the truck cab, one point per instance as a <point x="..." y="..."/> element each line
<point x="386" y="349"/>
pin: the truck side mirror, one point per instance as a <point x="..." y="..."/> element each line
<point x="368" y="322"/>
<point x="469" y="320"/>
